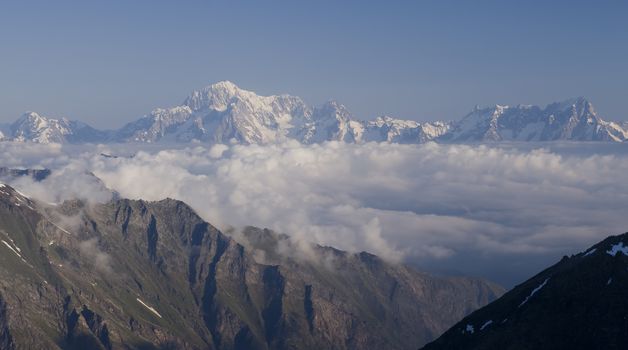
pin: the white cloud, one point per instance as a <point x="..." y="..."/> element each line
<point x="100" y="260"/>
<point x="501" y="212"/>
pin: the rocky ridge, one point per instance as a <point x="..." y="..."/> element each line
<point x="153" y="275"/>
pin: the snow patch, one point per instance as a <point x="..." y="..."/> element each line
<point x="12" y="249"/>
<point x="590" y="252"/>
<point x="486" y="324"/>
<point x="20" y="193"/>
<point x="15" y="250"/>
<point x="534" y="291"/>
<point x="618" y="248"/>
<point x="60" y="228"/>
<point x="151" y="309"/>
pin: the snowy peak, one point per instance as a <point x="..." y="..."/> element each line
<point x="34" y="122"/>
<point x="223" y="113"/>
<point x="574" y="111"/>
<point x="153" y="127"/>
<point x="225" y="94"/>
<point x="334" y="110"/>
<point x="392" y="130"/>
<point x="217" y="96"/>
<point x="573" y="119"/>
<point x="579" y="105"/>
<point x="33" y="127"/>
<point x="332" y="122"/>
<point x="36" y="128"/>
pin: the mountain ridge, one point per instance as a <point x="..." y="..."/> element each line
<point x="577" y="303"/>
<point x="223" y="112"/>
<point x="131" y="274"/>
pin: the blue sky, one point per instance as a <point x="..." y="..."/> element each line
<point x="108" y="62"/>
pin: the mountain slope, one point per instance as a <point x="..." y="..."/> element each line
<point x="579" y="303"/>
<point x="153" y="275"/>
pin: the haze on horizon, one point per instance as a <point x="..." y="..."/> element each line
<point x="109" y="63"/>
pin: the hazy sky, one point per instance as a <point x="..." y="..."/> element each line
<point x="108" y="62"/>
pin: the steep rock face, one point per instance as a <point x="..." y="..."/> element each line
<point x="579" y="303"/>
<point x="360" y="297"/>
<point x="135" y="274"/>
<point x="30" y="289"/>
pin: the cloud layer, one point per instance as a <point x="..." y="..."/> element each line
<point x="499" y="212"/>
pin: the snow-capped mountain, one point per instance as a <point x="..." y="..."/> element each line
<point x="223" y="112"/>
<point x="403" y="131"/>
<point x="219" y="113"/>
<point x="32" y="127"/>
<point x="331" y="122"/>
<point x="574" y="119"/>
<point x="154" y="126"/>
<point x="35" y="128"/>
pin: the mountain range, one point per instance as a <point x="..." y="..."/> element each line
<point x="132" y="274"/>
<point x="579" y="303"/>
<point x="223" y="112"/>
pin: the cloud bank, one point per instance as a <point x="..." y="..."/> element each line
<point x="502" y="212"/>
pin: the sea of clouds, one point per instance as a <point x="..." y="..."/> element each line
<point x="502" y="212"/>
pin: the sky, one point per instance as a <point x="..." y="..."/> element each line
<point x="110" y="62"/>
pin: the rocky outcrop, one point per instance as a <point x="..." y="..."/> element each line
<point x="35" y="174"/>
